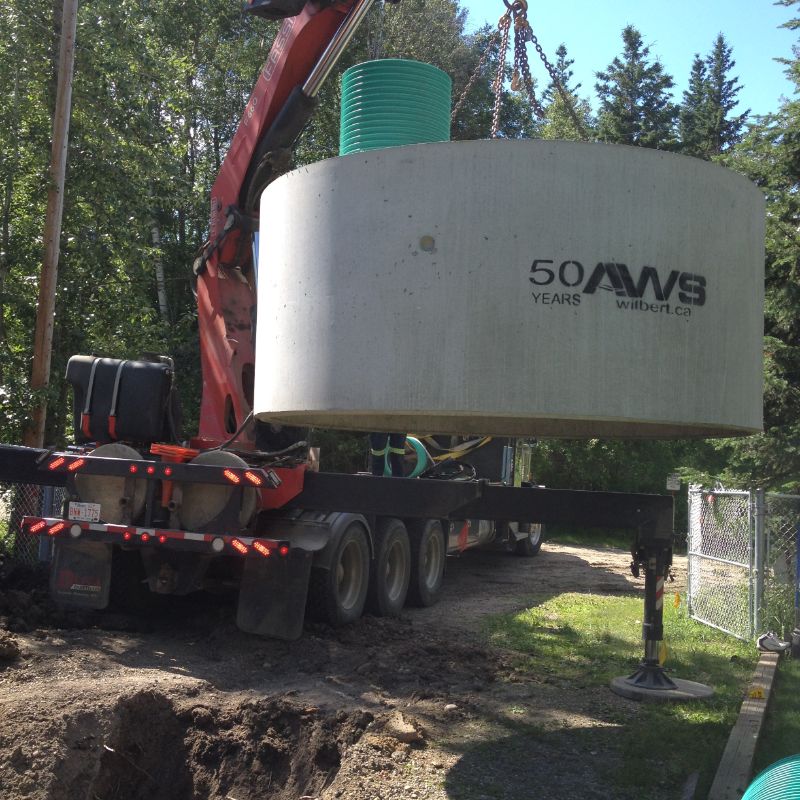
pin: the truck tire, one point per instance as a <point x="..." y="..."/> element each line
<point x="129" y="590"/>
<point x="391" y="569"/>
<point x="428" y="554"/>
<point x="337" y="595"/>
<point x="532" y="543"/>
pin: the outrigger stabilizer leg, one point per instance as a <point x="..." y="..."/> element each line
<point x="650" y="681"/>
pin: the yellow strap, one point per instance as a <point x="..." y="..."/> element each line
<point x="461" y="450"/>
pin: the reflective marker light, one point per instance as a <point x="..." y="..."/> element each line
<point x="56" y="462"/>
<point x="38" y="526"/>
<point x="76" y="465"/>
<point x="145" y="538"/>
<point x="262" y="548"/>
<point x="75" y="530"/>
<point x="218" y="545"/>
<point x="253" y="478"/>
<point x="283" y="550"/>
<point x="57" y="528"/>
<point x="240" y="546"/>
<point x="231" y="476"/>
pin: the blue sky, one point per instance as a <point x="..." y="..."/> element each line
<point x="674" y="31"/>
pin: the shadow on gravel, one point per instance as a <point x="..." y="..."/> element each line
<point x="568" y="765"/>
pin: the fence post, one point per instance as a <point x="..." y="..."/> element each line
<point x="760" y="544"/>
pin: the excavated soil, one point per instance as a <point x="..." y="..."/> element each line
<point x="181" y="705"/>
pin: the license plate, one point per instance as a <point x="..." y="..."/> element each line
<point x="84" y="512"/>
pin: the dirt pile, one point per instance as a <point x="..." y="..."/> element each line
<point x="150" y="746"/>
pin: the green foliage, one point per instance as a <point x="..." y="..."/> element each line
<point x="781" y="731"/>
<point x="635" y="105"/>
<point x="158" y="91"/>
<point x="558" y="122"/>
<point x="706" y="126"/>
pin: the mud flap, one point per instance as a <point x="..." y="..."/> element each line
<point x="81" y="574"/>
<point x="272" y="597"/>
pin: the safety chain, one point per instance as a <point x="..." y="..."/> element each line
<point x="497" y="87"/>
<point x="457" y="107"/>
<point x="521" y="76"/>
<point x="568" y="101"/>
<point x="521" y="67"/>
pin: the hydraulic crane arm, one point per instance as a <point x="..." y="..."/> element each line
<point x="305" y="50"/>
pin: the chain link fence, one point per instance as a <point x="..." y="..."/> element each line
<point x="743" y="561"/>
<point x="720" y="552"/>
<point x="18" y="500"/>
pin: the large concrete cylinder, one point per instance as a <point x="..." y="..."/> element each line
<point x="512" y="288"/>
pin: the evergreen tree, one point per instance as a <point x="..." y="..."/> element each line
<point x="558" y="122"/>
<point x="562" y="68"/>
<point x="724" y="130"/>
<point x="693" y="110"/>
<point x="635" y="104"/>
<point x="707" y="128"/>
<point x="769" y="154"/>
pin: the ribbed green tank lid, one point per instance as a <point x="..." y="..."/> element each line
<point x="393" y="102"/>
<point x="779" y="781"/>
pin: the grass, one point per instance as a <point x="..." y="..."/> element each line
<point x="583" y="641"/>
<point x="781" y="734"/>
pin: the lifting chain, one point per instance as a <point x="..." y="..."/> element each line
<point x="521" y="76"/>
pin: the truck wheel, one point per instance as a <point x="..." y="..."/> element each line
<point x="532" y="543"/>
<point x="391" y="569"/>
<point x="428" y="553"/>
<point x="129" y="590"/>
<point x="337" y="595"/>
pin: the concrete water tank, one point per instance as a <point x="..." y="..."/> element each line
<point x="512" y="288"/>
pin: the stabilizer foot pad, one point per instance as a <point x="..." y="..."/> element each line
<point x="682" y="691"/>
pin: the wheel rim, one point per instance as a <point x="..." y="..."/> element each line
<point x="535" y="534"/>
<point x="350" y="575"/>
<point x="432" y="561"/>
<point x="394" y="577"/>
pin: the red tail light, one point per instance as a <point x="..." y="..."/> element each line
<point x="151" y="470"/>
<point x="253" y="478"/>
<point x="56" y="462"/>
<point x="239" y="546"/>
<point x="76" y="465"/>
<point x="168" y="471"/>
<point x="133" y="469"/>
<point x="232" y="476"/>
<point x="283" y="550"/>
<point x="162" y="539"/>
<point x="127" y="536"/>
<point x="262" y="548"/>
<point x="145" y="538"/>
<point x="37" y="526"/>
<point x="57" y="528"/>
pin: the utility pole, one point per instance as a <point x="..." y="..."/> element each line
<point x="43" y="339"/>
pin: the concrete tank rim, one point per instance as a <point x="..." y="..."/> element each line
<point x="642" y="153"/>
<point x="548" y="426"/>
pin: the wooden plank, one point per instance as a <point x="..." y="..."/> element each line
<point x="736" y="766"/>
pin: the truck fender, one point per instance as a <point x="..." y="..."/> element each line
<point x="337" y="523"/>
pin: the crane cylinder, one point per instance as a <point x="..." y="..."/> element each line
<point x="517" y="288"/>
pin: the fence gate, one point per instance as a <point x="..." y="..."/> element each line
<point x="721" y="553"/>
<point x="744" y="561"/>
